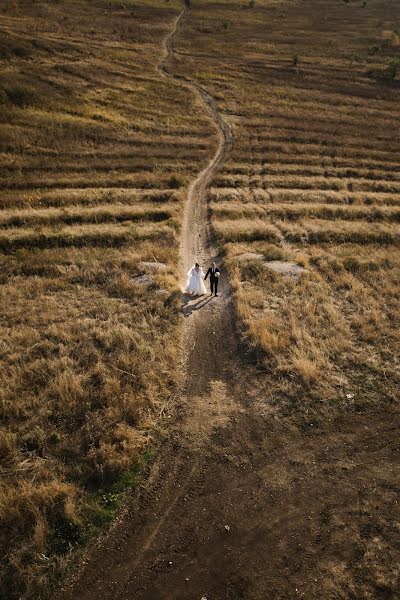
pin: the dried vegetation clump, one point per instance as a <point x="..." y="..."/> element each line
<point x="97" y="149"/>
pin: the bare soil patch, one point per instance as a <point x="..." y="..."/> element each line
<point x="289" y="269"/>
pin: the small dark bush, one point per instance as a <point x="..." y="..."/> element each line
<point x="388" y="73"/>
<point x="336" y="266"/>
<point x="375" y="49"/>
<point x="252" y="269"/>
<point x="174" y="182"/>
<point x="274" y="253"/>
<point x="21" y="95"/>
<point x="10" y="48"/>
<point x="66" y="535"/>
<point x="355" y="265"/>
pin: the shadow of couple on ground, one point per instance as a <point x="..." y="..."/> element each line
<point x="201" y="302"/>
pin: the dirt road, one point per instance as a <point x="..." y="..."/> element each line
<point x="241" y="504"/>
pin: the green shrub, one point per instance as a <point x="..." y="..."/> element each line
<point x="375" y="49"/>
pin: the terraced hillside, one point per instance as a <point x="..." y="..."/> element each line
<point x="313" y="181"/>
<point x="279" y="479"/>
<point x="97" y="148"/>
<point x="281" y="468"/>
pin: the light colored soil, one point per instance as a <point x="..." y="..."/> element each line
<point x="285" y="268"/>
<point x="240" y="504"/>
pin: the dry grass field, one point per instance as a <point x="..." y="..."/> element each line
<point x="97" y="148"/>
<point x="306" y="211"/>
<point x="313" y="179"/>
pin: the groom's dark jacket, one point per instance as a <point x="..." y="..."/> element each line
<point x="211" y="272"/>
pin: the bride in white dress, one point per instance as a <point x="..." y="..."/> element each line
<point x="195" y="283"/>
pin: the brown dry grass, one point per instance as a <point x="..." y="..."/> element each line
<point x="313" y="178"/>
<point x="96" y="153"/>
<point x="314" y="171"/>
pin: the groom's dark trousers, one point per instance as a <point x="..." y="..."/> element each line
<point x="213" y="280"/>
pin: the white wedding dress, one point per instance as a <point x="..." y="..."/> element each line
<point x="195" y="283"/>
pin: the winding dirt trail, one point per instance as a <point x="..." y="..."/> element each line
<point x="196" y="239"/>
<point x="241" y="502"/>
<point x="131" y="562"/>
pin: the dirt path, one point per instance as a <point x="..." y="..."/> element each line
<point x="242" y="503"/>
<point x="196" y="239"/>
<point x="122" y="564"/>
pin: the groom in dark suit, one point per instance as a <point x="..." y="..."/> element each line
<point x="214" y="273"/>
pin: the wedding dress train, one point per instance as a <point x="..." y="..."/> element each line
<point x="195" y="283"/>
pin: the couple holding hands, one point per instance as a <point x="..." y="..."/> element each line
<point x="195" y="283"/>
